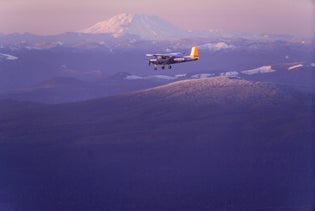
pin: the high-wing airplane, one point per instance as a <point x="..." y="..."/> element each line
<point x="172" y="58"/>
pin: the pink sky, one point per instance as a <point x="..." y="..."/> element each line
<point x="258" y="16"/>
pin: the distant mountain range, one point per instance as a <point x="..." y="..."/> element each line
<point x="125" y="29"/>
<point x="69" y="89"/>
<point x="109" y="58"/>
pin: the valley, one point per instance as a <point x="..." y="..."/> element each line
<point x="213" y="143"/>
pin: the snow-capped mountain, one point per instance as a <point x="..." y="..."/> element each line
<point x="146" y="27"/>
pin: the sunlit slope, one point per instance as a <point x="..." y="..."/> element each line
<point x="161" y="108"/>
<point x="220" y="90"/>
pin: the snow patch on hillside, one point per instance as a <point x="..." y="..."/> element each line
<point x="263" y="69"/>
<point x="7" y="57"/>
<point x="295" y="66"/>
<point x="216" y="46"/>
<point x="163" y="77"/>
<point x="203" y="75"/>
<point x="230" y="74"/>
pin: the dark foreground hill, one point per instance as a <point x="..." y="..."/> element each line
<point x="206" y="144"/>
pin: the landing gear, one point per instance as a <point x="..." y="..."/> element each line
<point x="162" y="67"/>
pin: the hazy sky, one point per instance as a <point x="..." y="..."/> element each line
<point x="259" y="16"/>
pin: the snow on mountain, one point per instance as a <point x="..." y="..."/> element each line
<point x="7" y="57"/>
<point x="146" y="27"/>
<point x="115" y="25"/>
<point x="216" y="46"/>
<point x="295" y="66"/>
<point x="230" y="74"/>
<point x="263" y="69"/>
<point x="163" y="77"/>
<point x="203" y="75"/>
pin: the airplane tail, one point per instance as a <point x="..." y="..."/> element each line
<point x="194" y="53"/>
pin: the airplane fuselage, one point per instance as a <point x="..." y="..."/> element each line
<point x="172" y="58"/>
<point x="165" y="61"/>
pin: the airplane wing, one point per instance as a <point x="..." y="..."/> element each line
<point x="166" y="55"/>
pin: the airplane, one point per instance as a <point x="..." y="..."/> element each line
<point x="172" y="58"/>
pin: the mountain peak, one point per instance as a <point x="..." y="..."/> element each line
<point x="146" y="27"/>
<point x="115" y="25"/>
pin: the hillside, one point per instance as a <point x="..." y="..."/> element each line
<point x="203" y="144"/>
<point x="66" y="89"/>
<point x="70" y="89"/>
<point x="188" y="97"/>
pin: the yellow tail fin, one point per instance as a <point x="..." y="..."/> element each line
<point x="194" y="52"/>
